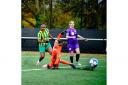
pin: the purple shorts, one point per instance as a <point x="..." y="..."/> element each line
<point x="72" y="47"/>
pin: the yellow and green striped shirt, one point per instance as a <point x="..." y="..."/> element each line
<point x="44" y="36"/>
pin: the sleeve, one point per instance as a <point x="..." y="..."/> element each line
<point x="59" y="36"/>
<point x="47" y="30"/>
<point x="67" y="33"/>
<point x="39" y="35"/>
<point x="76" y="34"/>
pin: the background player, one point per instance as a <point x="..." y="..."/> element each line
<point x="73" y="45"/>
<point x="44" y="44"/>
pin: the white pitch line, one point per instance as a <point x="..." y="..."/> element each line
<point x="32" y="69"/>
<point x="59" y="67"/>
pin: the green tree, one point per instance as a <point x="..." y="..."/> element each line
<point x="85" y="13"/>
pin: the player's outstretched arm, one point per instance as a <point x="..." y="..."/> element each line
<point x="39" y="41"/>
<point x="63" y="32"/>
<point x="85" y="39"/>
<point x="50" y="36"/>
<point x="62" y="42"/>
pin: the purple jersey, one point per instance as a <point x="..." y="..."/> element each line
<point x="72" y="42"/>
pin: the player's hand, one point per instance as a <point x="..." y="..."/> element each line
<point x="63" y="32"/>
<point x="39" y="41"/>
<point x="53" y="38"/>
<point x="64" y="42"/>
<point x="85" y="39"/>
<point x="46" y="41"/>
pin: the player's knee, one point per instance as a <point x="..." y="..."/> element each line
<point x="71" y="54"/>
<point x="50" y="50"/>
<point x="77" y="51"/>
<point x="41" y="56"/>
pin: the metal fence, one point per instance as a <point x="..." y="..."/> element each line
<point x="96" y="40"/>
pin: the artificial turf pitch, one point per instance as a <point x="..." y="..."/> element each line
<point x="36" y="75"/>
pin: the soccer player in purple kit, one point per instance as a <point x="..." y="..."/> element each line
<point x="73" y="45"/>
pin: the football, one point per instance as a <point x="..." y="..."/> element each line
<point x="93" y="62"/>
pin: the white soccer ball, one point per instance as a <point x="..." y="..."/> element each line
<point x="93" y="61"/>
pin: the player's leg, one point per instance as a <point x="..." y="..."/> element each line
<point x="89" y="67"/>
<point x="71" y="52"/>
<point x="77" y="50"/>
<point x="93" y="67"/>
<point x="57" y="62"/>
<point x="42" y="54"/>
<point x="52" y="61"/>
<point x="68" y="63"/>
<point x="64" y="62"/>
<point x="49" y="48"/>
<point x="50" y="65"/>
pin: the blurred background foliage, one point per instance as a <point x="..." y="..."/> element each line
<point x="87" y="14"/>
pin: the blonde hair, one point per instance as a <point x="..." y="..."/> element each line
<point x="71" y="21"/>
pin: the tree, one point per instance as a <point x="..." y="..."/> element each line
<point x="86" y="13"/>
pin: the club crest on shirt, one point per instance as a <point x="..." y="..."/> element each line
<point x="72" y="33"/>
<point x="69" y="49"/>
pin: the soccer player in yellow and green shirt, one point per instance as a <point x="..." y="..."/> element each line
<point x="43" y="40"/>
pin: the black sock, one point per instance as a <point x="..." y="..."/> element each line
<point x="73" y="66"/>
<point x="71" y="59"/>
<point x="41" y="58"/>
<point x="77" y="57"/>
